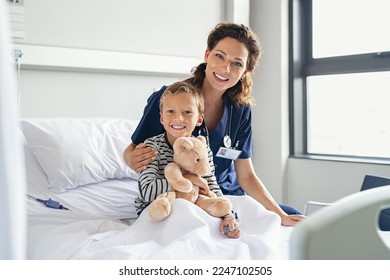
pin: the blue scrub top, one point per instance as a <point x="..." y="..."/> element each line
<point x="240" y="131"/>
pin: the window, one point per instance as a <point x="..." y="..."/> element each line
<point x="345" y="27"/>
<point x="340" y="78"/>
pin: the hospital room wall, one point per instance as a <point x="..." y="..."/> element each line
<point x="290" y="180"/>
<point x="114" y="28"/>
<point x="169" y="29"/>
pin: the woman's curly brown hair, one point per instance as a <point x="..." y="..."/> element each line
<point x="240" y="93"/>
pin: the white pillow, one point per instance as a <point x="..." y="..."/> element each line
<point x="75" y="152"/>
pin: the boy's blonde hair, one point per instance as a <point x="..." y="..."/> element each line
<point x="184" y="87"/>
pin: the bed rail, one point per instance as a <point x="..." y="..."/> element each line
<point x="348" y="229"/>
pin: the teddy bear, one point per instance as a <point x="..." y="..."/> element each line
<point x="190" y="162"/>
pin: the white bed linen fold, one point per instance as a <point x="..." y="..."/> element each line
<point x="188" y="233"/>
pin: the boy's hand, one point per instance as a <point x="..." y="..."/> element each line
<point x="229" y="226"/>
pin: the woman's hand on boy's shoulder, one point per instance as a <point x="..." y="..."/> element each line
<point x="140" y="157"/>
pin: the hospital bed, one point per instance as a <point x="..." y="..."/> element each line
<point x="345" y="230"/>
<point x="77" y="164"/>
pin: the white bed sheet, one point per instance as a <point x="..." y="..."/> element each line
<point x="102" y="224"/>
<point x="69" y="235"/>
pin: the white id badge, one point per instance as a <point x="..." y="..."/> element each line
<point x="228" y="153"/>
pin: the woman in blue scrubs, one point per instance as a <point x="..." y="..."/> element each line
<point x="224" y="78"/>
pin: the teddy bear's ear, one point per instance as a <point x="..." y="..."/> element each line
<point x="182" y="143"/>
<point x="201" y="138"/>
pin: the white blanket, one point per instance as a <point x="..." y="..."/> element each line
<point x="96" y="228"/>
<point x="188" y="233"/>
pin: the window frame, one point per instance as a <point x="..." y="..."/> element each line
<point x="302" y="65"/>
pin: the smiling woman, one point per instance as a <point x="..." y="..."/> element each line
<point x="224" y="79"/>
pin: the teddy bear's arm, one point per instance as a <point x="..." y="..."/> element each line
<point x="174" y="176"/>
<point x="197" y="180"/>
<point x="200" y="182"/>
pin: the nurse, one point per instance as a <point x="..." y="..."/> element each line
<point x="224" y="78"/>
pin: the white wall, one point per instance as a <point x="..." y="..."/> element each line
<point x="170" y="28"/>
<point x="54" y="94"/>
<point x="327" y="180"/>
<point x="290" y="180"/>
<point x="179" y="29"/>
<point x="268" y="19"/>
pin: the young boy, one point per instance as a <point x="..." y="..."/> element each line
<point x="181" y="110"/>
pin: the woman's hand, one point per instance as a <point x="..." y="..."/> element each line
<point x="229" y="226"/>
<point x="291" y="220"/>
<point x="138" y="157"/>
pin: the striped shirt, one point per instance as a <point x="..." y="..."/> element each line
<point x="152" y="181"/>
